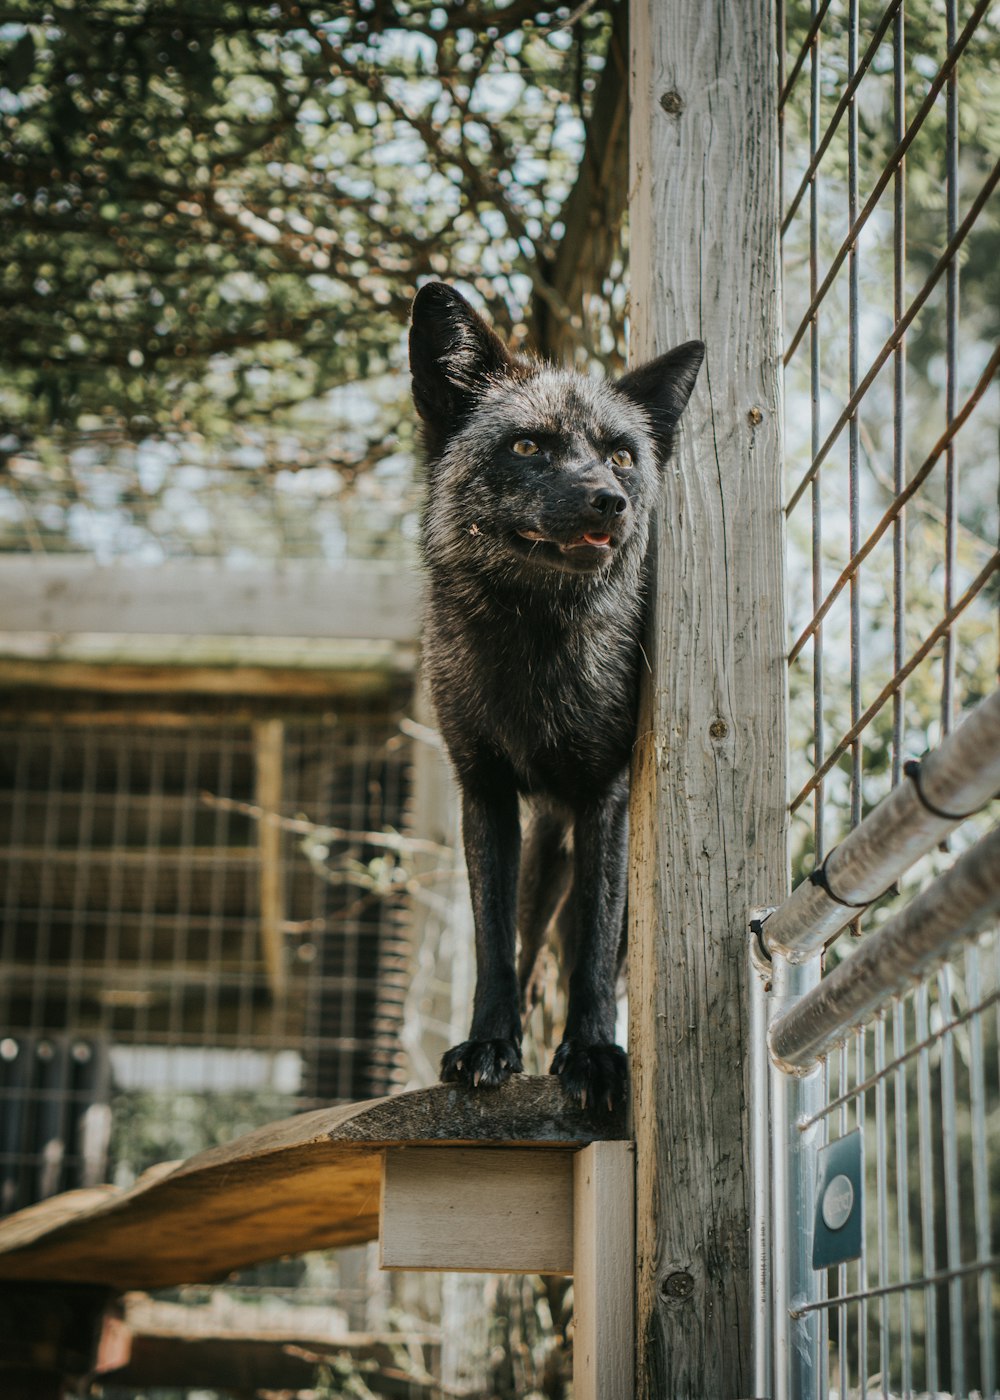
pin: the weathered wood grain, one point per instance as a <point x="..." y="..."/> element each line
<point x="196" y="597"/>
<point x="310" y="1182"/>
<point x="604" y="1271"/>
<point x="708" y="825"/>
<point x="478" y="1209"/>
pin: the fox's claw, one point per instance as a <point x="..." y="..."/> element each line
<point x="481" y="1064"/>
<point x="594" y="1074"/>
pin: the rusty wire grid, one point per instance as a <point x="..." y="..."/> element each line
<point x="890" y="172"/>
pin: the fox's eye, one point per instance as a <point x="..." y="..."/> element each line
<point x="525" y="447"/>
<point x="621" y="458"/>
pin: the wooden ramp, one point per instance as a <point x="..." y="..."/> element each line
<point x="511" y="1180"/>
<point x="310" y="1182"/>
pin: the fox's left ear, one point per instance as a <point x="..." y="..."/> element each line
<point x="662" y="387"/>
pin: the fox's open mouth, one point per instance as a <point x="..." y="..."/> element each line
<point x="593" y="539"/>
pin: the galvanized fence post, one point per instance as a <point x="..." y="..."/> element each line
<point x="762" y="1319"/>
<point x="794" y="1099"/>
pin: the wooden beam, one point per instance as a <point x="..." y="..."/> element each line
<point x="246" y="1365"/>
<point x="43" y="709"/>
<point x="229" y="1345"/>
<point x="604" y="1272"/>
<point x="161" y="668"/>
<point x="478" y="1210"/>
<point x="269" y="758"/>
<point x="708" y="810"/>
<point x="194" y="597"/>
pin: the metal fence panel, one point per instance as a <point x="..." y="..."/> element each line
<point x="890" y="229"/>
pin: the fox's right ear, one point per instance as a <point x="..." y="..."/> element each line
<point x="662" y="387"/>
<point x="453" y="353"/>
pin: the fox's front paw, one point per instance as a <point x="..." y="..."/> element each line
<point x="481" y="1064"/>
<point x="597" y="1075"/>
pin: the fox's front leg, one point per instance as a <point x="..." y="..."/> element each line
<point x="492" y="835"/>
<point x="590" y="1065"/>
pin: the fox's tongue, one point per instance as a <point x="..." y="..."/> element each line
<point x="597" y="539"/>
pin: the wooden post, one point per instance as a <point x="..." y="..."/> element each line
<point x="708" y="806"/>
<point x="603" y="1271"/>
<point x="269" y="752"/>
<point x="527" y="1210"/>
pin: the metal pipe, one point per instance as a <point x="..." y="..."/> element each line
<point x="956" y="779"/>
<point x="760" y="1157"/>
<point x="816" y="420"/>
<point x="980" y="1172"/>
<point x="882" y="1210"/>
<point x="902" y="1196"/>
<point x="854" y="425"/>
<point x="952" y="1207"/>
<point x="887" y="962"/>
<point x="926" y="1178"/>
<point x="797" y="1134"/>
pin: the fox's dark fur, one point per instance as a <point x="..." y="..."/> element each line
<point x="536" y="570"/>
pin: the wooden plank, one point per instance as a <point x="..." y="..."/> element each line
<point x="310" y="1182"/>
<point x="604" y="1272"/>
<point x="169" y="671"/>
<point x="478" y="1210"/>
<point x="269" y="760"/>
<point x="229" y="1345"/>
<point x="192" y="597"/>
<point x="249" y="1365"/>
<point x="40" y="711"/>
<point x="708" y="810"/>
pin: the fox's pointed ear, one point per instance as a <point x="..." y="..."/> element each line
<point x="453" y="353"/>
<point x="662" y="387"/>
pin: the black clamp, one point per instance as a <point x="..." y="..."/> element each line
<point x="757" y="929"/>
<point x="821" y="880"/>
<point x="911" y="769"/>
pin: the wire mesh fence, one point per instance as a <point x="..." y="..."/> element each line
<point x="916" y="1310"/>
<point x="889" y="235"/>
<point x="898" y="1209"/>
<point x="172" y="955"/>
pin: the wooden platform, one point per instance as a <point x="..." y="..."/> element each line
<point x="310" y="1182"/>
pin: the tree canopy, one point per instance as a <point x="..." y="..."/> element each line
<point x="214" y="211"/>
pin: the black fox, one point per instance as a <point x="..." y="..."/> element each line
<point x="540" y="487"/>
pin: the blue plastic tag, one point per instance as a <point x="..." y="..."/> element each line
<point x="840" y="1211"/>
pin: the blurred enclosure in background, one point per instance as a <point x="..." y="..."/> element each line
<point x="214" y="218"/>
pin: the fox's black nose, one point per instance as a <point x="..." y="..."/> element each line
<point x="608" y="503"/>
